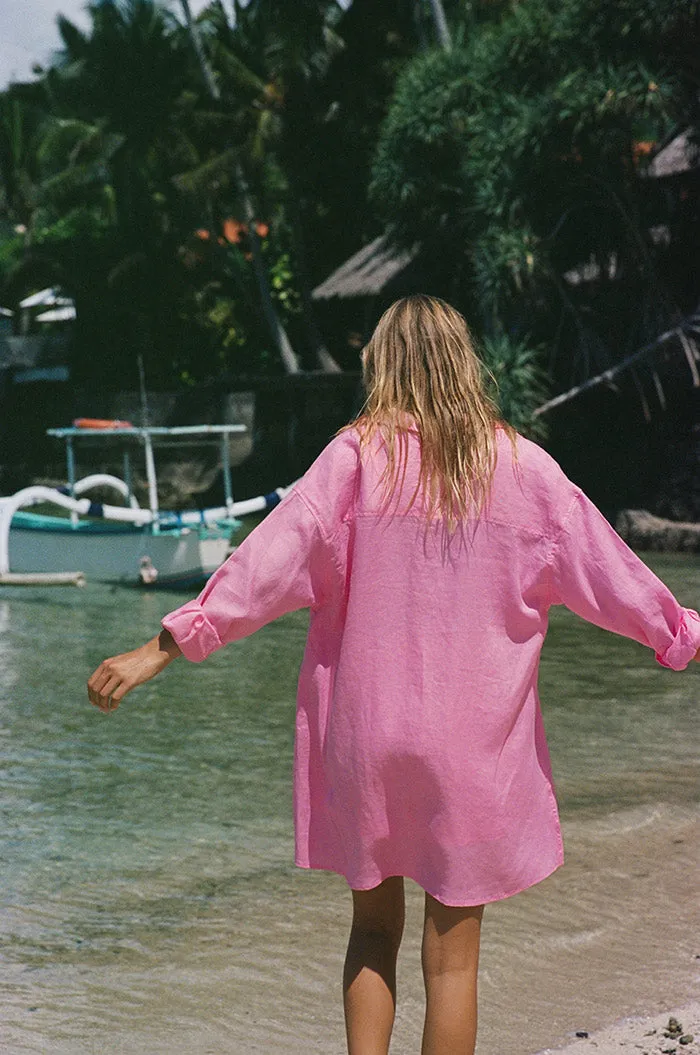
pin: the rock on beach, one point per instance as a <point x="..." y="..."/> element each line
<point x="642" y="530"/>
<point x="666" y="1033"/>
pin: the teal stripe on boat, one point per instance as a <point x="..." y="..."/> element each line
<point x="40" y="522"/>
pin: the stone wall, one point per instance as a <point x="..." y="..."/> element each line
<point x="289" y="420"/>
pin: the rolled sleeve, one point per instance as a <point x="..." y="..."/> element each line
<point x="685" y="643"/>
<point x="282" y="566"/>
<point x="289" y="561"/>
<point x="192" y="632"/>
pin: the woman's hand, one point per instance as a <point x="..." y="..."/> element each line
<point x="120" y="674"/>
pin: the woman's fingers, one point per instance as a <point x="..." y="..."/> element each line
<point x="107" y="686"/>
<point x="93" y="687"/>
<point x="120" y="692"/>
<point x="105" y="698"/>
<point x="117" y="676"/>
<point x="110" y="687"/>
<point x="101" y="676"/>
<point x="97" y="701"/>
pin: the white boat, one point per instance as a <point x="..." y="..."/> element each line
<point x="121" y="543"/>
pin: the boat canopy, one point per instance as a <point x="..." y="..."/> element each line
<point x="148" y="437"/>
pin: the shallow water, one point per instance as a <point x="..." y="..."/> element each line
<point x="149" y="902"/>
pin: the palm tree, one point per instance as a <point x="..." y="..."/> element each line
<point x="117" y="94"/>
<point x="277" y="330"/>
<point x="272" y="51"/>
<point x="294" y="51"/>
<point x="19" y="164"/>
<point x="126" y="77"/>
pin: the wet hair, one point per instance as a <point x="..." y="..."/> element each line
<point x="421" y="371"/>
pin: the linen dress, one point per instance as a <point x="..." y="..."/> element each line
<point x="420" y="749"/>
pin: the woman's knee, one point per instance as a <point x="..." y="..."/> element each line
<point x="380" y="911"/>
<point x="451" y="936"/>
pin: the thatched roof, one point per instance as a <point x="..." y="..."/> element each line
<point x="681" y="154"/>
<point x="368" y="272"/>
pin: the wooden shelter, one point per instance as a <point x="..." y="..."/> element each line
<point x="354" y="296"/>
<point x="369" y="272"/>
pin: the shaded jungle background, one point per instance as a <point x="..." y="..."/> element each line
<point x="233" y="199"/>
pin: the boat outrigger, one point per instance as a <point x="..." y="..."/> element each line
<point x="122" y="543"/>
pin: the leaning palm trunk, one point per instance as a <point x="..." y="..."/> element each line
<point x="204" y="67"/>
<point x="440" y="22"/>
<point x="287" y="353"/>
<point x="323" y="357"/>
<point x="277" y="330"/>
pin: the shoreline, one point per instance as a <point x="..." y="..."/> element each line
<point x="571" y="954"/>
<point x="670" y="1032"/>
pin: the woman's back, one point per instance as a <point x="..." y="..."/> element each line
<point x="419" y="730"/>
<point x="431" y="737"/>
<point x="442" y="630"/>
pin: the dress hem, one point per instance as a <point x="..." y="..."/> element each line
<point x="448" y="903"/>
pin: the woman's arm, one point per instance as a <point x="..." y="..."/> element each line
<point x="280" y="567"/>
<point x="290" y="561"/>
<point x="283" y="565"/>
<point x="598" y="576"/>
<point x="117" y="676"/>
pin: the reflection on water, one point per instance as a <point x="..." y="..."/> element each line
<point x="149" y="900"/>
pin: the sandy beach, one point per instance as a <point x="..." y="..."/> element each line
<point x="669" y="1032"/>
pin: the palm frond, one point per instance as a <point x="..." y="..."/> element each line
<point x="516" y="381"/>
<point x="209" y="176"/>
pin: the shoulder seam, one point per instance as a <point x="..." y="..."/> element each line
<point x="557" y="539"/>
<point x="325" y="537"/>
<point x="314" y="513"/>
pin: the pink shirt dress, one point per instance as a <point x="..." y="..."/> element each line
<point x="420" y="749"/>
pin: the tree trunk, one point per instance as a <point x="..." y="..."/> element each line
<point x="287" y="353"/>
<point x="205" y="68"/>
<point x="687" y="344"/>
<point x="324" y="358"/>
<point x="440" y="22"/>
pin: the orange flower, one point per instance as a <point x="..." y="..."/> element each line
<point x="262" y="230"/>
<point x="234" y="230"/>
<point x="203" y="235"/>
<point x="642" y="148"/>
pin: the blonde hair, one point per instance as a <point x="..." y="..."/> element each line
<point x="421" y="371"/>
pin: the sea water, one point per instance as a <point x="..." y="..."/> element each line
<point x="148" y="898"/>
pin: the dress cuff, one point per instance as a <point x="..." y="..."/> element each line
<point x="192" y="631"/>
<point x="685" y="644"/>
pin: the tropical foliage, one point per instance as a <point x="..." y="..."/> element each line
<point x="189" y="181"/>
<point x="517" y="159"/>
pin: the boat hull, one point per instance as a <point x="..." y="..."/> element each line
<point x="115" y="553"/>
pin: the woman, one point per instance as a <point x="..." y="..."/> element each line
<point x="429" y="541"/>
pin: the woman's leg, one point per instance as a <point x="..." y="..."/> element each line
<point x="369" y="978"/>
<point x="450" y="957"/>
